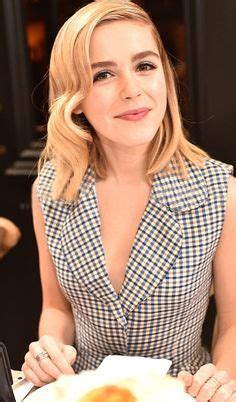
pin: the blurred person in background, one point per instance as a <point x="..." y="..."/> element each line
<point x="9" y="236"/>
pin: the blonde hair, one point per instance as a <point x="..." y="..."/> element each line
<point x="72" y="144"/>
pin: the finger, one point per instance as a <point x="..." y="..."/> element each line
<point x="56" y="355"/>
<point x="31" y="376"/>
<point x="186" y="377"/>
<point x="212" y="385"/>
<point x="45" y="365"/>
<point x="225" y="393"/>
<point x="201" y="376"/>
<point x="35" y="348"/>
<point x="35" y="367"/>
<point x="70" y="353"/>
<point x="233" y="397"/>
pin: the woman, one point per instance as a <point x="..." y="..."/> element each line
<point x="132" y="221"/>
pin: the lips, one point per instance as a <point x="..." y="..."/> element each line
<point x="131" y="112"/>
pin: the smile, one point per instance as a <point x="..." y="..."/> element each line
<point x="134" y="116"/>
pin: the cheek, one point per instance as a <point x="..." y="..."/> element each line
<point x="97" y="104"/>
<point x="159" y="91"/>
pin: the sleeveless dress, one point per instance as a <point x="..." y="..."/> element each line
<point x="161" y="306"/>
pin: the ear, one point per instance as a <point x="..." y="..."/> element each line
<point x="78" y="111"/>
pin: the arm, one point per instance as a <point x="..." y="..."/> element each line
<point x="56" y="328"/>
<point x="224" y="270"/>
<point x="217" y="382"/>
<point x="56" y="317"/>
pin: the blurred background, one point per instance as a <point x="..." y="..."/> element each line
<point x="200" y="39"/>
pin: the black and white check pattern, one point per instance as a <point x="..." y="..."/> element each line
<point x="162" y="304"/>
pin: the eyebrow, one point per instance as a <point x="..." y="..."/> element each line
<point x="136" y="57"/>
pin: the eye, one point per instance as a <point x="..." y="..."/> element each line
<point x="101" y="75"/>
<point x="146" y="66"/>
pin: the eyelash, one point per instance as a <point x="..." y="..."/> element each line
<point x="100" y="75"/>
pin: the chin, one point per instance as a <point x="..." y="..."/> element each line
<point x="138" y="140"/>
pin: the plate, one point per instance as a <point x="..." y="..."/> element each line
<point x="113" y="369"/>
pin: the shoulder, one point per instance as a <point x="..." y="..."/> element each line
<point x="232" y="185"/>
<point x="229" y="229"/>
<point x="219" y="180"/>
<point x="46" y="175"/>
<point x="206" y="182"/>
<point x="216" y="175"/>
<point x="222" y="190"/>
<point x="231" y="197"/>
<point x="214" y="166"/>
<point x="44" y="182"/>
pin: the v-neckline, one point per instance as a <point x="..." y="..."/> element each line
<point x="155" y="248"/>
<point x="127" y="267"/>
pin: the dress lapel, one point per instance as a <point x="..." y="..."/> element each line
<point x="181" y="195"/>
<point x="159" y="238"/>
<point x="157" y="243"/>
<point x="81" y="242"/>
<point x="156" y="247"/>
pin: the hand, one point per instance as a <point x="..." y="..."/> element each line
<point x="209" y="384"/>
<point x="47" y="359"/>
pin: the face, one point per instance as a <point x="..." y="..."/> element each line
<point x="127" y="101"/>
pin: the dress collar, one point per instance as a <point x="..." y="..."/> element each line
<point x="181" y="195"/>
<point x="170" y="190"/>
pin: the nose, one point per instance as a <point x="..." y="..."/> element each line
<point x="130" y="87"/>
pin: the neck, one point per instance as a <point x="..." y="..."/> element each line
<point x="126" y="165"/>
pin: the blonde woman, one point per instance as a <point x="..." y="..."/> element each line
<point x="133" y="222"/>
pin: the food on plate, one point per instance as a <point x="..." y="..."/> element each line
<point x="102" y="386"/>
<point x="109" y="393"/>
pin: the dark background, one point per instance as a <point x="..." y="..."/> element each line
<point x="200" y="39"/>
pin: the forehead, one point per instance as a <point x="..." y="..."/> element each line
<point x="121" y="37"/>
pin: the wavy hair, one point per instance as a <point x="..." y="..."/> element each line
<point x="72" y="144"/>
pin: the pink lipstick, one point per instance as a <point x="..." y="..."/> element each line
<point x="134" y="115"/>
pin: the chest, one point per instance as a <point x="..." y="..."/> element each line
<point x="171" y="252"/>
<point x="121" y="211"/>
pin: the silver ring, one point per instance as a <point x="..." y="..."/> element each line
<point x="42" y="355"/>
<point x="215" y="381"/>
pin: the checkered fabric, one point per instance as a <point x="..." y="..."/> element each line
<point x="161" y="307"/>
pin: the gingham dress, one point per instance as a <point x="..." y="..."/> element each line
<point x="162" y="304"/>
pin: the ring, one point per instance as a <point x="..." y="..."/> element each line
<point x="42" y="355"/>
<point x="215" y="382"/>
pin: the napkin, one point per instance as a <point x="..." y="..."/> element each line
<point x="124" y="366"/>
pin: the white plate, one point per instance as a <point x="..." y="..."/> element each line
<point x="113" y="368"/>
